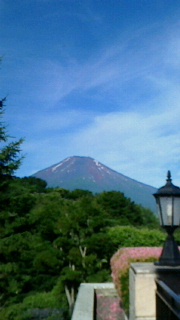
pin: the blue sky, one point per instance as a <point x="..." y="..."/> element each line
<point x="96" y="78"/>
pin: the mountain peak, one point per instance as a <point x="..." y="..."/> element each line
<point x="79" y="172"/>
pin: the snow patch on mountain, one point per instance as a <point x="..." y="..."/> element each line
<point x="57" y="166"/>
<point x="96" y="162"/>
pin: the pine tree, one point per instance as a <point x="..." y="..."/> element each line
<point x="10" y="158"/>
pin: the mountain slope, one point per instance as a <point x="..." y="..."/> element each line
<point x="88" y="174"/>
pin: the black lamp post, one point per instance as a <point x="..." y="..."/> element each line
<point x="168" y="203"/>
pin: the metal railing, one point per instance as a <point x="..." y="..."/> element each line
<point x="167" y="302"/>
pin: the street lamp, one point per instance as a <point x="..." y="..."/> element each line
<point x="168" y="203"/>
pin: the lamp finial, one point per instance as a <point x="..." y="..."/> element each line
<point x="169" y="176"/>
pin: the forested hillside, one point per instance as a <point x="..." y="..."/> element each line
<point x="51" y="240"/>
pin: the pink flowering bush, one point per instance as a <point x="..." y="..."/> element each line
<point x="120" y="263"/>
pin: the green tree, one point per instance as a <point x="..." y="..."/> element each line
<point x="10" y="159"/>
<point x="123" y="211"/>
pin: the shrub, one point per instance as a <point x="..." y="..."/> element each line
<point x="129" y="236"/>
<point x="43" y="305"/>
<point x="120" y="263"/>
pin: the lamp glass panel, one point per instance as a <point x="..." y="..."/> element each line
<point x="158" y="203"/>
<point x="176" y="220"/>
<point x="166" y="204"/>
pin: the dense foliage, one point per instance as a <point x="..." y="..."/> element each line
<point x="51" y="240"/>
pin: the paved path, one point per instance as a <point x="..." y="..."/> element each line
<point x="108" y="308"/>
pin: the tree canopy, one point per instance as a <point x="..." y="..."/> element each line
<point x="51" y="240"/>
<point x="10" y="150"/>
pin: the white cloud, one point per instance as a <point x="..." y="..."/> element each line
<point x="138" y="145"/>
<point x="137" y="57"/>
<point x="142" y="143"/>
